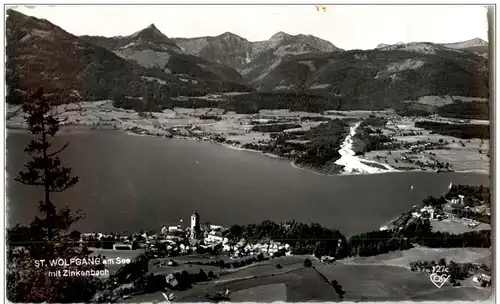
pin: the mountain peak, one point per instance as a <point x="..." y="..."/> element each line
<point x="280" y="35"/>
<point x="229" y="34"/>
<point x="152" y="26"/>
<point x="151" y="29"/>
<point x="478" y="41"/>
<point x="475" y="42"/>
<point x="381" y="45"/>
<point x="150" y="36"/>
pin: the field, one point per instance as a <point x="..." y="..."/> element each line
<point x="262" y="293"/>
<point x="182" y="267"/>
<point x="380" y="278"/>
<point x="403" y="258"/>
<point x="455" y="294"/>
<point x="263" y="268"/>
<point x="375" y="282"/>
<point x="456" y="226"/>
<point x="297" y="285"/>
<point x="461" y="154"/>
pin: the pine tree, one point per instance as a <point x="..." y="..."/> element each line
<point x="44" y="169"/>
<point x="48" y="237"/>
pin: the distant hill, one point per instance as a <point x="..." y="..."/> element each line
<point x="253" y="59"/>
<point x="152" y="49"/>
<point x="147" y="68"/>
<point x="41" y="53"/>
<point x="476" y="45"/>
<point x="228" y="49"/>
<point x="380" y="78"/>
<point x="466" y="44"/>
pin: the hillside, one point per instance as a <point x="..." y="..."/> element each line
<point x="253" y="59"/>
<point x="42" y="54"/>
<point x="152" y="49"/>
<point x="228" y="49"/>
<point x="375" y="79"/>
<point x="476" y="45"/>
<point x="288" y="71"/>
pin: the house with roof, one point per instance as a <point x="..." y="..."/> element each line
<point x="214" y="237"/>
<point x="327" y="259"/>
<point x="171" y="280"/>
<point x="216" y="227"/>
<point x="482" y="279"/>
<point x="241" y="243"/>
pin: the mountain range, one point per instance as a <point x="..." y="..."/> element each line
<point x="149" y="63"/>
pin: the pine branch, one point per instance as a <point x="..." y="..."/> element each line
<point x="29" y="183"/>
<point x="58" y="151"/>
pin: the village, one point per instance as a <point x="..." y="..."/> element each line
<point x="454" y="214"/>
<point x="205" y="253"/>
<point x="174" y="240"/>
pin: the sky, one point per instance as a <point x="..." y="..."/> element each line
<point x="347" y="27"/>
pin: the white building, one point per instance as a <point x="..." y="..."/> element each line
<point x="226" y="247"/>
<point x="214" y="237"/>
<point x="241" y="243"/>
<point x="174" y="228"/>
<point x="122" y="247"/>
<point x="216" y="227"/>
<point x="416" y="214"/>
<point x="195" y="225"/>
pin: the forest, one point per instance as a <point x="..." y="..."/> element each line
<point x="466" y="110"/>
<point x="463" y="131"/>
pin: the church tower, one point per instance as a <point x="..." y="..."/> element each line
<point x="195" y="225"/>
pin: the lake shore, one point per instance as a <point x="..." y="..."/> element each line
<point x="235" y="131"/>
<point x="351" y="162"/>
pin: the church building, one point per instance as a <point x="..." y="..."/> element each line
<point x="195" y="225"/>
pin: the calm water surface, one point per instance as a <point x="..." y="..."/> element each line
<point x="128" y="183"/>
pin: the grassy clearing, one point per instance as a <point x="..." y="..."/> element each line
<point x="301" y="285"/>
<point x="451" y="225"/>
<point x="263" y="293"/>
<point x="265" y="268"/>
<point x="403" y="258"/>
<point x="361" y="282"/>
<point x="457" y="294"/>
<point x="462" y="155"/>
<point x="189" y="268"/>
<point x="371" y="278"/>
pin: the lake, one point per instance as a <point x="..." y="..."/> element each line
<point x="128" y="183"/>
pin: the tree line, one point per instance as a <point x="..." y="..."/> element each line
<point x="480" y="193"/>
<point x="466" y="110"/>
<point x="463" y="131"/>
<point x="235" y="264"/>
<point x="319" y="241"/>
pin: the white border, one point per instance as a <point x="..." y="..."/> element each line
<point x="492" y="41"/>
